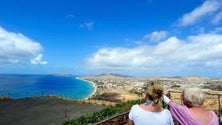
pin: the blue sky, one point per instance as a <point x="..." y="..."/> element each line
<point x="137" y="37"/>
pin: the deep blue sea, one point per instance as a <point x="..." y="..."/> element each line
<point x="26" y="86"/>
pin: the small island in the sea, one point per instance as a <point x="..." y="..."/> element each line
<point x="65" y="75"/>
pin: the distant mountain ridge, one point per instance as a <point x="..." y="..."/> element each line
<point x="190" y="78"/>
<point x="106" y="76"/>
<point x="152" y="77"/>
<point x="117" y="75"/>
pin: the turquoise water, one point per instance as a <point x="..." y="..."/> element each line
<point x="25" y="86"/>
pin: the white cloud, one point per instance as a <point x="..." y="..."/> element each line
<point x="156" y="36"/>
<point x="17" y="48"/>
<point x="88" y="25"/>
<point x="203" y="50"/>
<point x="120" y="57"/>
<point x="209" y="7"/>
<point x="38" y="60"/>
<point x="217" y="30"/>
<point x="172" y="44"/>
<point x="217" y="18"/>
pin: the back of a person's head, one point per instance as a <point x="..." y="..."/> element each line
<point x="154" y="92"/>
<point x="195" y="95"/>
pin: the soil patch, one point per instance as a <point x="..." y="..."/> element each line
<point x="42" y="111"/>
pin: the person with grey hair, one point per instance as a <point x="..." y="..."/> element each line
<point x="191" y="112"/>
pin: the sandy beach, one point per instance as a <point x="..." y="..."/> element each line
<point x="95" y="89"/>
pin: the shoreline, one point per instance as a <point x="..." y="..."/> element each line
<point x="94" y="86"/>
<point x="57" y="96"/>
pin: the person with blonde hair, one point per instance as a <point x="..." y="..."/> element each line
<point x="191" y="112"/>
<point x="151" y="112"/>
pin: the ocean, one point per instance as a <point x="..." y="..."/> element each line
<point x="27" y="86"/>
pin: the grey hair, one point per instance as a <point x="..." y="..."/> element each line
<point x="195" y="95"/>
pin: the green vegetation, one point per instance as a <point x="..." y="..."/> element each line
<point x="105" y="113"/>
<point x="175" y="86"/>
<point x="136" y="92"/>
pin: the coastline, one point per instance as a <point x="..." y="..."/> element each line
<point x="29" y="86"/>
<point x="93" y="84"/>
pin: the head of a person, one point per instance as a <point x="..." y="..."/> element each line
<point x="154" y="92"/>
<point x="193" y="97"/>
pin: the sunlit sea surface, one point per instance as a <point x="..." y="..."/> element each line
<point x="26" y="86"/>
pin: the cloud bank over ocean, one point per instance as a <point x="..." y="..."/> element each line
<point x="17" y="48"/>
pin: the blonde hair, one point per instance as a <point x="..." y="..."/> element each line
<point x="195" y="95"/>
<point x="154" y="92"/>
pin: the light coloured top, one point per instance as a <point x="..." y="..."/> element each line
<point x="182" y="114"/>
<point x="142" y="117"/>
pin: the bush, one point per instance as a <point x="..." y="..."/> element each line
<point x="105" y="113"/>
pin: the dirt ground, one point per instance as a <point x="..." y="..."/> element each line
<point x="53" y="111"/>
<point x="116" y="95"/>
<point x="42" y="111"/>
<point x="125" y="94"/>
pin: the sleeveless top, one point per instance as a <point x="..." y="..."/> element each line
<point x="142" y="117"/>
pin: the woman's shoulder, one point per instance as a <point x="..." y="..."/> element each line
<point x="214" y="114"/>
<point x="176" y="105"/>
<point x="136" y="106"/>
<point x="215" y="119"/>
<point x="166" y="111"/>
